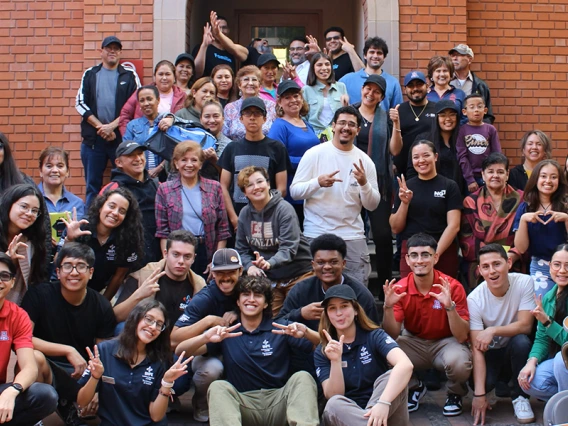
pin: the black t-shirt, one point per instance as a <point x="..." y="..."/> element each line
<point x="342" y="65"/>
<point x="57" y="321"/>
<point x="431" y="201"/>
<point x="267" y="153"/>
<point x="362" y="140"/>
<point x="252" y="58"/>
<point x="410" y="128"/>
<point x="214" y="57"/>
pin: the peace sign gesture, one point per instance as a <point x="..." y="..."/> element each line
<point x="333" y="349"/>
<point x="178" y="369"/>
<point x="359" y="173"/>
<point x="95" y="365"/>
<point x="73" y="225"/>
<point x="538" y="312"/>
<point x="404" y="193"/>
<point x="150" y="285"/>
<point x="260" y="262"/>
<point x="295" y="329"/>
<point x="219" y="333"/>
<point x="445" y="295"/>
<point x="327" y="181"/>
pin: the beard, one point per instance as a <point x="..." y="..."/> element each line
<point x="262" y="49"/>
<point x="298" y="61"/>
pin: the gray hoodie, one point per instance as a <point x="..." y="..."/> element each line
<point x="275" y="233"/>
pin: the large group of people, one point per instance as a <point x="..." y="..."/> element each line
<point x="243" y="270"/>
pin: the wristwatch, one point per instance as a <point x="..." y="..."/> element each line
<point x="547" y="322"/>
<point x="452" y="307"/>
<point x="18" y="387"/>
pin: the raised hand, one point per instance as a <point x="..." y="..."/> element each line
<point x="445" y="295"/>
<point x="313" y="46"/>
<point x="391" y="296"/>
<point x="327" y="181"/>
<point x="260" y="262"/>
<point x="393" y="114"/>
<point x="359" y="173"/>
<point x="14" y="246"/>
<point x="219" y="333"/>
<point x="538" y="312"/>
<point x="150" y="285"/>
<point x="346" y="46"/>
<point x="207" y="35"/>
<point x="73" y="225"/>
<point x="404" y="193"/>
<point x="178" y="369"/>
<point x="295" y="329"/>
<point x="333" y="349"/>
<point x="95" y="365"/>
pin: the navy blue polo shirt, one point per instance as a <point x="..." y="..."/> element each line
<point x="363" y="361"/>
<point x="258" y="360"/>
<point x="209" y="301"/>
<point x="125" y="393"/>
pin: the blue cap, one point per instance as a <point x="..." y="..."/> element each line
<point x="415" y="75"/>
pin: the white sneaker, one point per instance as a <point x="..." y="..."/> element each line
<point x="200" y="409"/>
<point x="523" y="410"/>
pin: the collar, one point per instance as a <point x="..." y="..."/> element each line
<point x="469" y="76"/>
<point x="5" y="309"/>
<point x="342" y="281"/>
<point x="144" y="362"/>
<point x="218" y="294"/>
<point x="412" y="290"/>
<point x="64" y="192"/>
<point x="264" y="326"/>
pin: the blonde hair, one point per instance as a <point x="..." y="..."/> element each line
<point x="247" y="172"/>
<point x="183" y="148"/>
<point x="190" y="99"/>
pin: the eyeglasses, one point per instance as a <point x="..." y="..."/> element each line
<point x="80" y="267"/>
<point x="333" y="38"/>
<point x="350" y="124"/>
<point x="113" y="48"/>
<point x="249" y="80"/>
<point x="557" y="266"/>
<point x="152" y="322"/>
<point x="248" y="113"/>
<point x="6" y="277"/>
<point x="24" y="208"/>
<point x="424" y="256"/>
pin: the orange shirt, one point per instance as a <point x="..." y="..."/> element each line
<point x="423" y="315"/>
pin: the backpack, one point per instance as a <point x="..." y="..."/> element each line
<point x="164" y="143"/>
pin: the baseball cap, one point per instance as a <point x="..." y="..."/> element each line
<point x="226" y="259"/>
<point x="185" y="56"/>
<point x="128" y="147"/>
<point x="287" y="85"/>
<point x="266" y="58"/>
<point x="445" y="104"/>
<point x="462" y="49"/>
<point x="378" y="80"/>
<point x="253" y="102"/>
<point x="343" y="291"/>
<point x="414" y="75"/>
<point x="111" y="39"/>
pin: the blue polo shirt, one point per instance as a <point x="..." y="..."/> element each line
<point x="354" y="83"/>
<point x="125" y="393"/>
<point x="208" y="301"/>
<point x="259" y="359"/>
<point x="65" y="203"/>
<point x="363" y="361"/>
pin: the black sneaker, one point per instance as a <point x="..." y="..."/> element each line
<point x="69" y="414"/>
<point x="453" y="405"/>
<point x="414" y="396"/>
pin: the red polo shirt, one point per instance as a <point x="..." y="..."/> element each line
<point x="15" y="332"/>
<point x="422" y="314"/>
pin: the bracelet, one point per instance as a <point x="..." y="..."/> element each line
<point x="385" y="306"/>
<point x="167" y="384"/>
<point x="479" y="396"/>
<point x="380" y="401"/>
<point x="398" y="130"/>
<point x="167" y="395"/>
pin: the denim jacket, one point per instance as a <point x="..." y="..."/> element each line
<point x="137" y="130"/>
<point x="314" y="97"/>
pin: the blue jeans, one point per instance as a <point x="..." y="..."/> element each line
<point x="34" y="404"/>
<point x="544" y="384"/>
<point x="560" y="372"/>
<point x="95" y="159"/>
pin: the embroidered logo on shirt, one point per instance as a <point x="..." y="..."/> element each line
<point x="389" y="340"/>
<point x="148" y="376"/>
<point x="183" y="318"/>
<point x="184" y="302"/>
<point x="111" y="252"/>
<point x="4" y="336"/>
<point x="132" y="258"/>
<point x="437" y="304"/>
<point x="365" y="356"/>
<point x="440" y="194"/>
<point x="318" y="371"/>
<point x="266" y="348"/>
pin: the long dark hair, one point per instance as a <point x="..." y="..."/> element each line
<point x="436" y="135"/>
<point x="36" y="233"/>
<point x="129" y="235"/>
<point x="558" y="199"/>
<point x="311" y="80"/>
<point x="157" y="350"/>
<point x="9" y="173"/>
<point x="561" y="301"/>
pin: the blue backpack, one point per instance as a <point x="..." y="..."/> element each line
<point x="164" y="143"/>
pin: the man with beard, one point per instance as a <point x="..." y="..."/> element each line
<point x="339" y="174"/>
<point x="375" y="52"/>
<point x="298" y="59"/>
<point x="345" y="59"/>
<point x="415" y="116"/>
<point x="433" y="308"/>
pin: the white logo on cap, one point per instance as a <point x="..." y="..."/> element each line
<point x="414" y="75"/>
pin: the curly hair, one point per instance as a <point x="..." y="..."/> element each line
<point x="129" y="235"/>
<point x="261" y="285"/>
<point x="157" y="350"/>
<point x="558" y="199"/>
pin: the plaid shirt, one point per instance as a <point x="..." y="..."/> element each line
<point x="169" y="212"/>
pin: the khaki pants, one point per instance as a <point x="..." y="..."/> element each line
<point x="282" y="289"/>
<point x="342" y="411"/>
<point x="294" y="404"/>
<point x="447" y="355"/>
<point x="358" y="261"/>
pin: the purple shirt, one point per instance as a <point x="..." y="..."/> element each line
<point x="474" y="144"/>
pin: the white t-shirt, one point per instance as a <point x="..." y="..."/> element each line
<point x="336" y="209"/>
<point x="487" y="310"/>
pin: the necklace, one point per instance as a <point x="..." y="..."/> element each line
<point x="365" y="121"/>
<point x="417" y="117"/>
<point x="545" y="208"/>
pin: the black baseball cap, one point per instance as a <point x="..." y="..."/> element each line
<point x="226" y="259"/>
<point x="266" y="58"/>
<point x="378" y="80"/>
<point x="342" y="291"/>
<point x="111" y="39"/>
<point x="253" y="102"/>
<point x="128" y="147"/>
<point x="185" y="56"/>
<point x="287" y="85"/>
<point x="445" y="104"/>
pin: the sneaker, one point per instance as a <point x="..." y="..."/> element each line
<point x="453" y="405"/>
<point x="414" y="397"/>
<point x="200" y="409"/>
<point x="523" y="410"/>
<point x="69" y="414"/>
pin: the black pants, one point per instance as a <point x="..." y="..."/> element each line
<point x="34" y="404"/>
<point x="382" y="237"/>
<point x="506" y="363"/>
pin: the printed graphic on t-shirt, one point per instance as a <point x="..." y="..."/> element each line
<point x="262" y="234"/>
<point x="476" y="143"/>
<point x="184" y="302"/>
<point x="223" y="57"/>
<point x="440" y="194"/>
